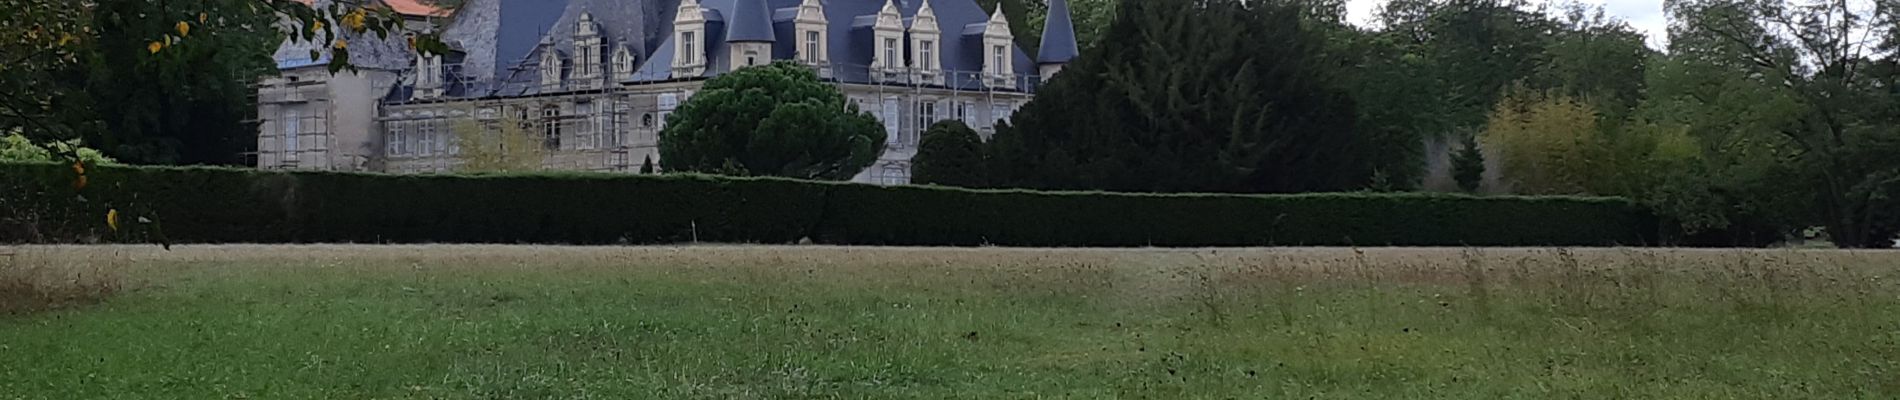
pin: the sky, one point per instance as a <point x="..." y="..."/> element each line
<point x="1644" y="15"/>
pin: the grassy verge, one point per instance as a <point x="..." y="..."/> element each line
<point x="812" y="322"/>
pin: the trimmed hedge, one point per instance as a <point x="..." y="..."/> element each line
<point x="219" y="205"/>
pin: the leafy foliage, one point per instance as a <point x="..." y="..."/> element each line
<point x="949" y="154"/>
<point x="507" y="143"/>
<point x="192" y="101"/>
<point x="1543" y="143"/>
<point x="774" y="120"/>
<point x="162" y="82"/>
<point x="1793" y="103"/>
<point x="17" y="148"/>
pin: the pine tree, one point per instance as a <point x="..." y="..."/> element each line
<point x="1467" y="165"/>
<point x="772" y="120"/>
<point x="646" y="167"/>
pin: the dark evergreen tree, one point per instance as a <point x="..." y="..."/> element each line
<point x="1467" y="166"/>
<point x="774" y="120"/>
<point x="646" y="167"/>
<point x="949" y="154"/>
<point x="1205" y="95"/>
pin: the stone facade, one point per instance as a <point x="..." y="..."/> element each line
<point x="594" y="92"/>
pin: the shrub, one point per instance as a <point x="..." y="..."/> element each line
<point x="935" y="216"/>
<point x="950" y="154"/>
<point x="772" y="120"/>
<point x="234" y="205"/>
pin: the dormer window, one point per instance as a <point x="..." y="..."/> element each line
<point x="428" y="78"/>
<point x="689" y="25"/>
<point x="587" y="53"/>
<point x="1001" y="53"/>
<point x="890" y="54"/>
<point x="550" y="67"/>
<point x="623" y="63"/>
<point x="583" y="65"/>
<point x="924" y="39"/>
<point x="998" y="42"/>
<point x="687" y="46"/>
<point x="889" y="37"/>
<point x="811" y="26"/>
<point x="811" y="47"/>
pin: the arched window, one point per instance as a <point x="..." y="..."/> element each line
<point x="550" y="68"/>
<point x="623" y="63"/>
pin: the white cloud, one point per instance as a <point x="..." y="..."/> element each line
<point x="1644" y="15"/>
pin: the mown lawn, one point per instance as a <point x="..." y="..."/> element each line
<point x="467" y="322"/>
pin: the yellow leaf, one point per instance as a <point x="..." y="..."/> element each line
<point x="354" y="20"/>
<point x="112" y="219"/>
<point x="184" y="29"/>
<point x="66" y="38"/>
<point x="202" y="17"/>
<point x="341" y="44"/>
<point x="316" y="26"/>
<point x="154" y="47"/>
<point x="79" y="167"/>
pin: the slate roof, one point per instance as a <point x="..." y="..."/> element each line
<point x="1058" y="35"/>
<point x="850" y="39"/>
<point x="500" y="39"/>
<point x="751" y="22"/>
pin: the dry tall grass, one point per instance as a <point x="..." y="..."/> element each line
<point x="37" y="279"/>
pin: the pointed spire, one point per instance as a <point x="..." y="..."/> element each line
<point x="890" y="7"/>
<point x="997" y="17"/>
<point x="1058" y="35"/>
<point x="751" y="21"/>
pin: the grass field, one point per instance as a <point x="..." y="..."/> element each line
<point x="467" y="322"/>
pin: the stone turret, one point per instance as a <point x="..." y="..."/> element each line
<point x="749" y="34"/>
<point x="1058" y="40"/>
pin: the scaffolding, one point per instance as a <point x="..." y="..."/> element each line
<point x="616" y="130"/>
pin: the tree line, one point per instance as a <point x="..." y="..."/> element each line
<point x="1757" y="120"/>
<point x="1762" y="118"/>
